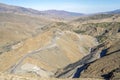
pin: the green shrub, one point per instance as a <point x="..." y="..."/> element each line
<point x="79" y="31"/>
<point x="101" y="38"/>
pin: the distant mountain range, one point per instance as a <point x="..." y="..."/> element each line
<point x="49" y="13"/>
<point x="53" y="14"/>
<point x="114" y="12"/>
<point x="62" y="13"/>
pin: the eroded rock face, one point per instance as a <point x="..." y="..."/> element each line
<point x="35" y="69"/>
<point x="47" y="52"/>
<point x="105" y="67"/>
<point x="115" y="74"/>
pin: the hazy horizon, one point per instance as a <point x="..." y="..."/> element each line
<point x="86" y="6"/>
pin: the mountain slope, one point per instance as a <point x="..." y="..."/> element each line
<point x="17" y="27"/>
<point x="16" y="9"/>
<point x="47" y="52"/>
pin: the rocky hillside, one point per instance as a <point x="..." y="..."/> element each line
<point x="46" y="53"/>
<point x="104" y="57"/>
<point x="107" y="65"/>
<point x="106" y="31"/>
